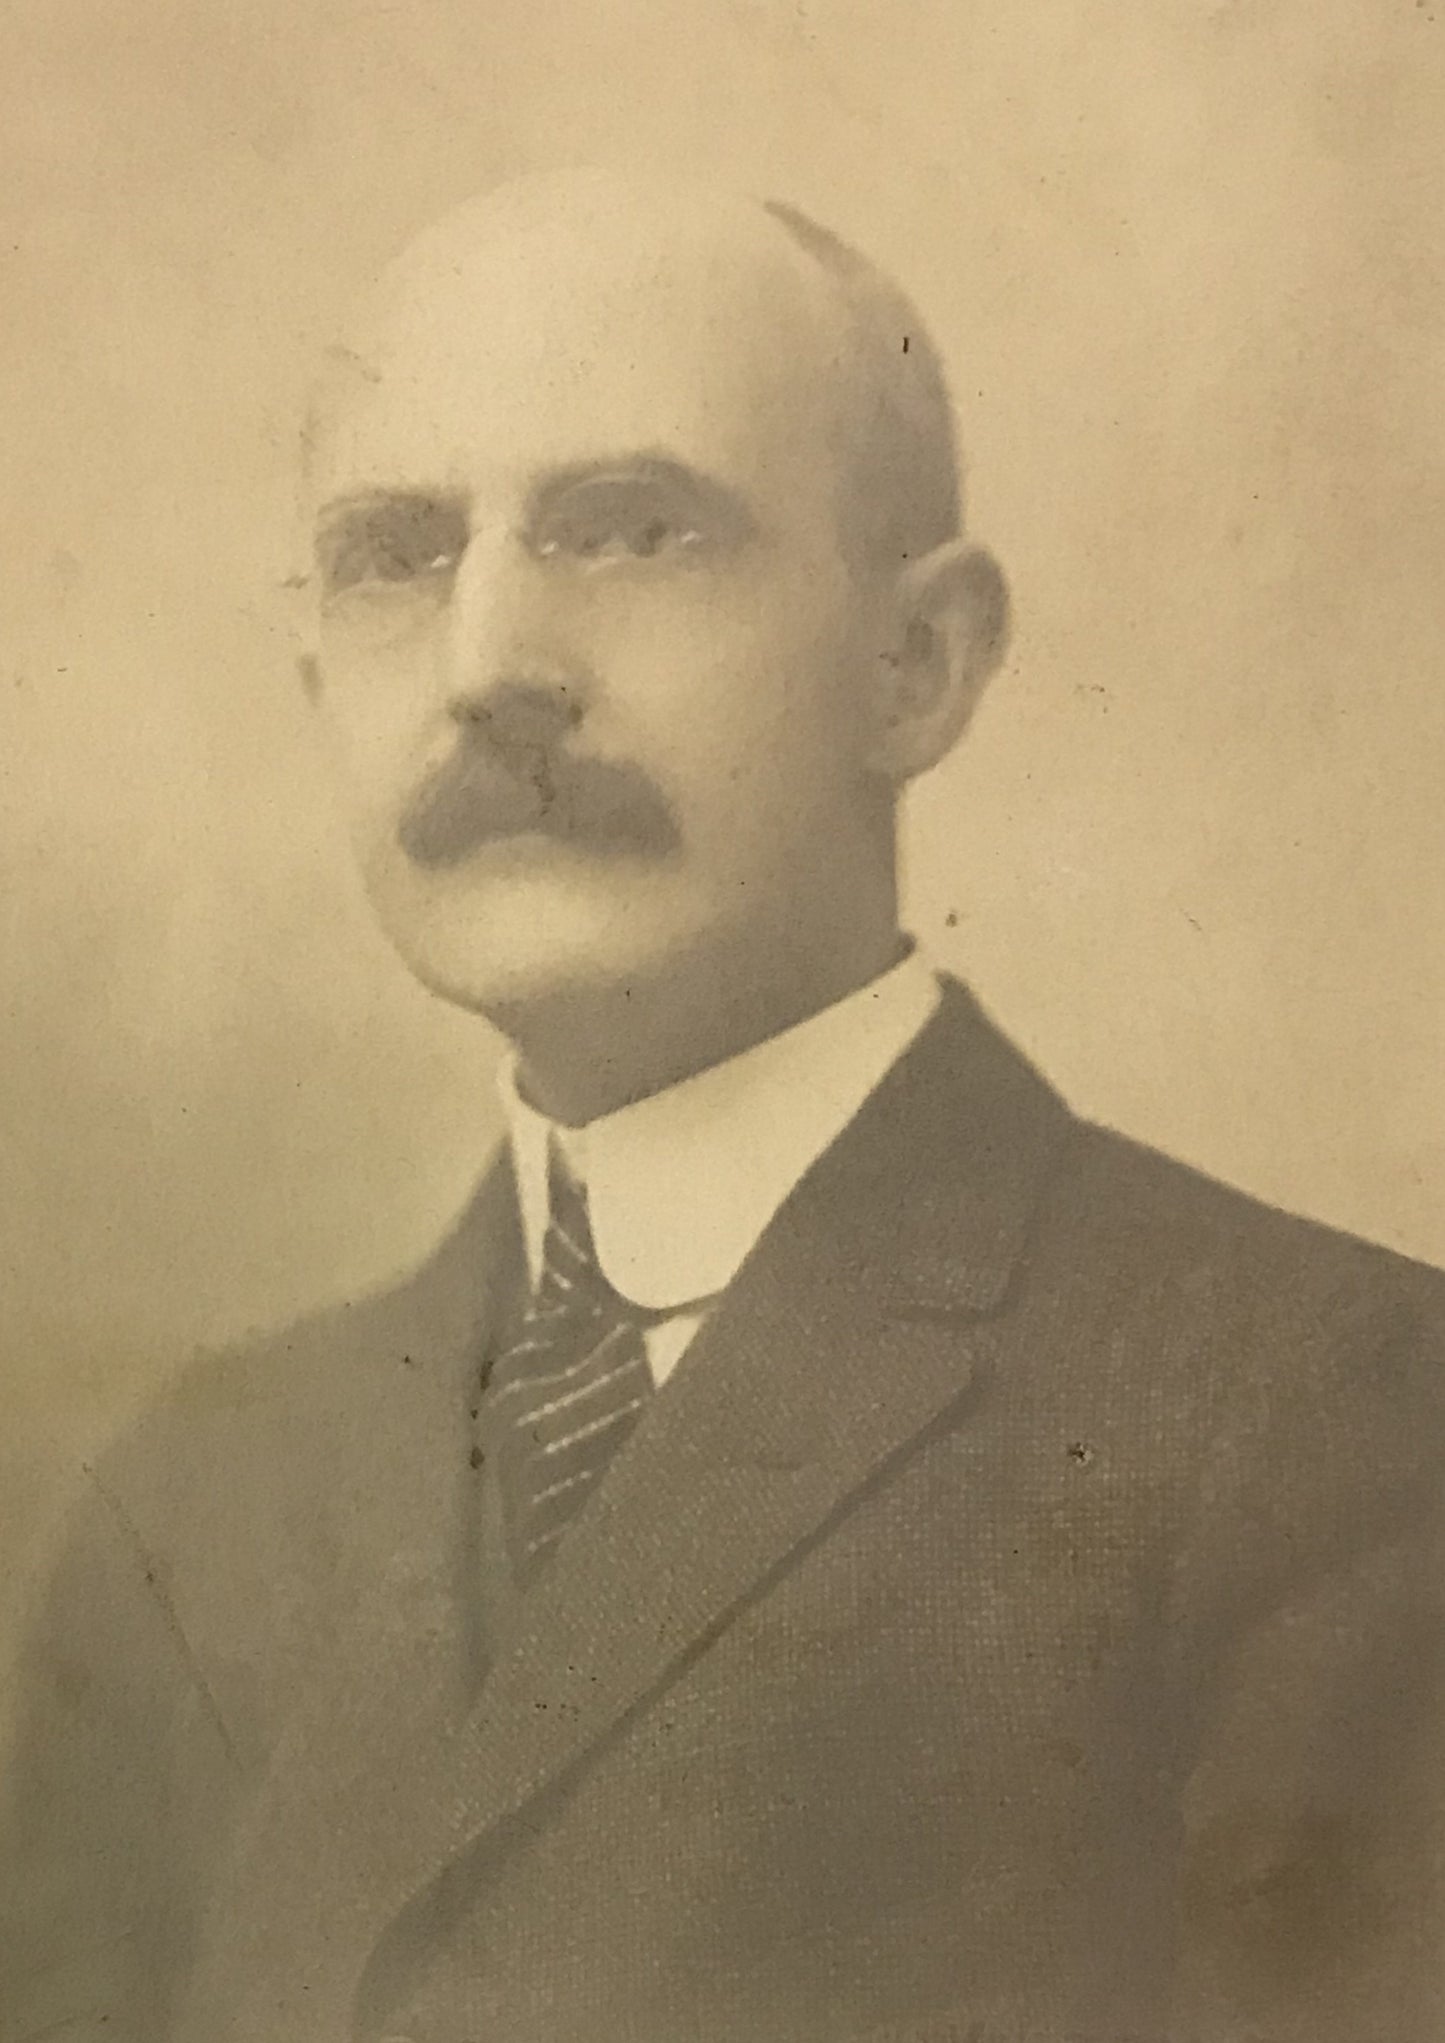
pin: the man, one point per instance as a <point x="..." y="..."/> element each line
<point x="831" y="1547"/>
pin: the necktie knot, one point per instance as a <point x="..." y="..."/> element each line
<point x="571" y="1279"/>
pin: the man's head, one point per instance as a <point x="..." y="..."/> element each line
<point x="643" y="593"/>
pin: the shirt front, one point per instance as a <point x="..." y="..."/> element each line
<point x="681" y="1185"/>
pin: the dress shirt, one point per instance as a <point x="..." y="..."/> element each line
<point x="680" y="1185"/>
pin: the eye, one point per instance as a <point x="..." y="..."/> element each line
<point x="392" y="546"/>
<point x="617" y="519"/>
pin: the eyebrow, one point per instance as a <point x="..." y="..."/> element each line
<point x="660" y="471"/>
<point x="359" y="503"/>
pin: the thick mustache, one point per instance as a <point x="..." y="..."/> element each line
<point x="478" y="796"/>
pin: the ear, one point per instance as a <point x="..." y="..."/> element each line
<point x="951" y="625"/>
<point x="308" y="668"/>
<point x="301" y="624"/>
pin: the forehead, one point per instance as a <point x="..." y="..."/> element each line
<point x="489" y="358"/>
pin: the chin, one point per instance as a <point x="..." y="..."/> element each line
<point x="532" y="942"/>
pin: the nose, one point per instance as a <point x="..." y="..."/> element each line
<point x="518" y="717"/>
<point x="512" y="677"/>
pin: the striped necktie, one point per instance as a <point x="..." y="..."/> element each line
<point x="567" y="1389"/>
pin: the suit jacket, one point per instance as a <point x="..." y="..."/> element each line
<point x="1018" y="1618"/>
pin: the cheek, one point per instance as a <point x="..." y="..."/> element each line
<point x="372" y="710"/>
<point x="750" y="694"/>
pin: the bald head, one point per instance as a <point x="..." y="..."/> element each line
<point x="904" y="488"/>
<point x="835" y="324"/>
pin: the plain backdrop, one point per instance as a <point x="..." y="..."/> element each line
<point x="1185" y="261"/>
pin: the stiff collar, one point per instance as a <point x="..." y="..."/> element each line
<point x="681" y="1185"/>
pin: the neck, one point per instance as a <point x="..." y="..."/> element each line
<point x="597" y="1051"/>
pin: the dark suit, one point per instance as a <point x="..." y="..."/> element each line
<point x="1018" y="1618"/>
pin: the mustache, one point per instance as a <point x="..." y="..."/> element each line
<point x="478" y="796"/>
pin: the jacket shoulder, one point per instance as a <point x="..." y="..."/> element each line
<point x="1182" y="1219"/>
<point x="286" y="1394"/>
<point x="1298" y="1371"/>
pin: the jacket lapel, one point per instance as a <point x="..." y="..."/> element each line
<point x="403" y="1641"/>
<point x="858" y="1321"/>
<point x="844" y="1336"/>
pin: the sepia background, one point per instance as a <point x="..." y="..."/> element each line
<point x="1185" y="261"/>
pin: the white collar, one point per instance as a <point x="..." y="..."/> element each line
<point x="681" y="1185"/>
